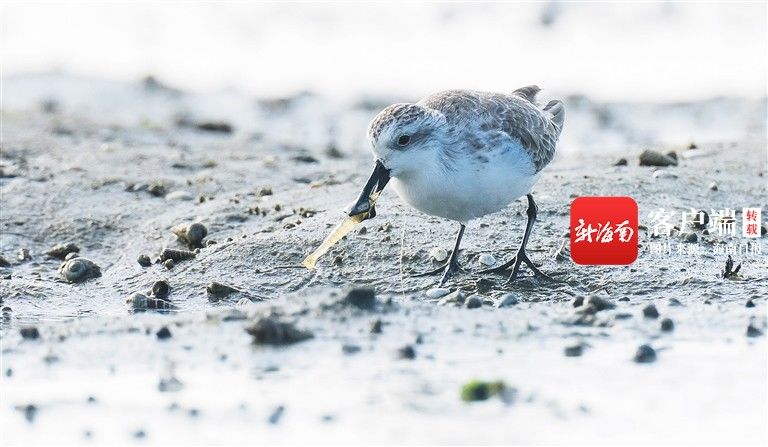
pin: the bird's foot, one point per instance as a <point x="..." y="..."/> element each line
<point x="500" y="270"/>
<point x="448" y="270"/>
<point x="521" y="258"/>
<point x="442" y="269"/>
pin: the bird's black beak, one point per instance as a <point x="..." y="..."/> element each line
<point x="373" y="187"/>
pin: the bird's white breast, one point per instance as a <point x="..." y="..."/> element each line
<point x="474" y="185"/>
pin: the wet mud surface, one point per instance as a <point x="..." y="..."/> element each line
<point x="278" y="353"/>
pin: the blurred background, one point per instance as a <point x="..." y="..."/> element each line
<point x="703" y="62"/>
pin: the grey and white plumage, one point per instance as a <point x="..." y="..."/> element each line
<point x="467" y="153"/>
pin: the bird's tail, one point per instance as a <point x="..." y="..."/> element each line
<point x="556" y="111"/>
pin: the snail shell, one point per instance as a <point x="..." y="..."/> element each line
<point x="176" y="255"/>
<point x="79" y="270"/>
<point x="191" y="234"/>
<point x="217" y="290"/>
<point x="139" y="301"/>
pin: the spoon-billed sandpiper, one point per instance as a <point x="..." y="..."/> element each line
<point x="462" y="154"/>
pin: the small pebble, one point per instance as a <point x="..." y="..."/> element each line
<point x="508" y="299"/>
<point x="689" y="237"/>
<point x="653" y="158"/>
<point x="487" y="259"/>
<point x="271" y="331"/>
<point x="645" y="354"/>
<point x="60" y="251"/>
<point x="477" y="390"/>
<point x="574" y="350"/>
<point x="621" y="162"/>
<point x="753" y="331"/>
<point x="363" y="298"/>
<point x="274" y="418"/>
<point x="350" y="349"/>
<point x="144" y="260"/>
<point x="164" y="333"/>
<point x="29" y="333"/>
<point x="29" y="410"/>
<point x="473" y="302"/>
<point x="713" y="186"/>
<point x="437" y="292"/>
<point x="593" y="304"/>
<point x="650" y="311"/>
<point x="667" y="325"/>
<point x="674" y="302"/>
<point x="168" y="263"/>
<point x="750" y="303"/>
<point x="438" y="254"/>
<point x="376" y="327"/>
<point x="160" y="289"/>
<point x="406" y="352"/>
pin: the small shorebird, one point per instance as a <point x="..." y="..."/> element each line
<point x="462" y="154"/>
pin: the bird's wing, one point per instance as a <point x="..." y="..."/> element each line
<point x="514" y="114"/>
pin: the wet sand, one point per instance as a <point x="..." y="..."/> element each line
<point x="99" y="371"/>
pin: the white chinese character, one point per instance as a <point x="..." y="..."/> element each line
<point x="723" y="221"/>
<point x="625" y="233"/>
<point x="694" y="218"/>
<point x="584" y="233"/>
<point x="661" y="222"/>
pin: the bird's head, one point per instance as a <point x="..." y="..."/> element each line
<point x="402" y="136"/>
<point x="403" y="139"/>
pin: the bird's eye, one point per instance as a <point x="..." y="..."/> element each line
<point x="403" y="140"/>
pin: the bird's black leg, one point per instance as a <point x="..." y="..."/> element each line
<point x="452" y="266"/>
<point x="521" y="256"/>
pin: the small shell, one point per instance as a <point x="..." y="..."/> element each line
<point x="139" y="301"/>
<point x="79" y="270"/>
<point x="653" y="158"/>
<point x="218" y="290"/>
<point x="160" y="289"/>
<point x="158" y="304"/>
<point x="144" y="260"/>
<point x="191" y="234"/>
<point x="60" y="251"/>
<point x="437" y="293"/>
<point x="487" y="259"/>
<point x="438" y="254"/>
<point x="176" y="255"/>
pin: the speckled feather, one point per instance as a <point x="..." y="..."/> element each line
<point x="515" y="114"/>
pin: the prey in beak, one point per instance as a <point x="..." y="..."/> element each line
<point x="365" y="202"/>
